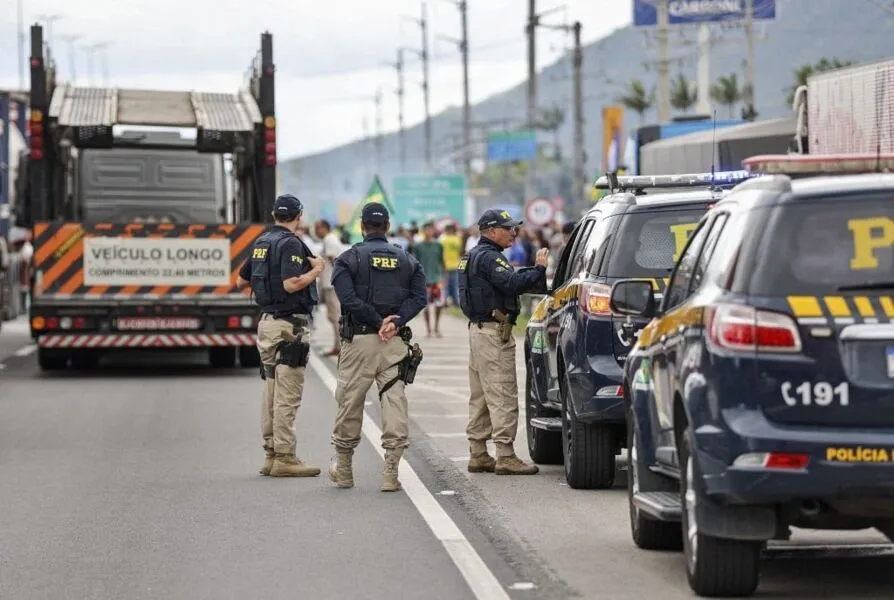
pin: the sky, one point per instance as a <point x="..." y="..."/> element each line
<point x="331" y="57"/>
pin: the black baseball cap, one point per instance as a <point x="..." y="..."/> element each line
<point x="287" y="204"/>
<point x="374" y="213"/>
<point x="496" y="218"/>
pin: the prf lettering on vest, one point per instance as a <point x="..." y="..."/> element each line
<point x="681" y="233"/>
<point x="462" y="264"/>
<point x="870" y="236"/>
<point x="259" y="254"/>
<point x="386" y="263"/>
<point x="297" y="259"/>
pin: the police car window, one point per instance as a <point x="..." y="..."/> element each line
<point x="562" y="269"/>
<point x="597" y="244"/>
<point x="678" y="290"/>
<point x="817" y="247"/>
<point x="710" y="244"/>
<point x="648" y="243"/>
<point x="727" y="246"/>
<point x="577" y="254"/>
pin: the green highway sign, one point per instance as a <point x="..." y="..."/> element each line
<point x="424" y="198"/>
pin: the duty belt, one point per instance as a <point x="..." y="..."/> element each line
<point x="363" y="329"/>
<point x="484" y="324"/>
<point x="293" y="318"/>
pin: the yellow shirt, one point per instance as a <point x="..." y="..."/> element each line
<point x="453" y="250"/>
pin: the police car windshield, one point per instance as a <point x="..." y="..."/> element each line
<point x="649" y="242"/>
<point x="824" y="246"/>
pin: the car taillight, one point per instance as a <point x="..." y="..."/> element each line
<point x="745" y="328"/>
<point x="233" y="322"/>
<point x="52" y="323"/>
<point x="787" y="461"/>
<point x="593" y="299"/>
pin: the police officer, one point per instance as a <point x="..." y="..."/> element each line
<point x="381" y="288"/>
<point x="488" y="292"/>
<point x="282" y="273"/>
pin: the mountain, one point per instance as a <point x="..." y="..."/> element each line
<point x="803" y="32"/>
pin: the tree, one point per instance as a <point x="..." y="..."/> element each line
<point x="637" y="98"/>
<point x="803" y="72"/>
<point x="551" y="119"/>
<point x="683" y="93"/>
<point x="726" y="92"/>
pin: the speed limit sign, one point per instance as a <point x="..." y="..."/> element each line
<point x="540" y="211"/>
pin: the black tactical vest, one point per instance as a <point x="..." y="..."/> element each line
<point x="266" y="277"/>
<point x="382" y="274"/>
<point x="478" y="297"/>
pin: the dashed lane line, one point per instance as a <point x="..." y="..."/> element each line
<point x="480" y="579"/>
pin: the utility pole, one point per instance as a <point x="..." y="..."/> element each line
<point x="749" y="62"/>
<point x="531" y="30"/>
<point x="72" y="63"/>
<point x="463" y="45"/>
<point x="402" y="141"/>
<point x="378" y="143"/>
<point x="48" y="21"/>
<point x="663" y="63"/>
<point x="21" y="29"/>
<point x="423" y="55"/>
<point x="579" y="158"/>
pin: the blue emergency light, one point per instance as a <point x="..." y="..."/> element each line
<point x="687" y="180"/>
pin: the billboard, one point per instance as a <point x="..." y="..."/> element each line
<point x="508" y="146"/>
<point x="688" y="12"/>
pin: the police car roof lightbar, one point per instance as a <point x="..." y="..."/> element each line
<point x="819" y="164"/>
<point x="688" y="180"/>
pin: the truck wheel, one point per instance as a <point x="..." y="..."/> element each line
<point x="222" y="357"/>
<point x="588" y="449"/>
<point x="84" y="359"/>
<point x="648" y="533"/>
<point x="544" y="447"/>
<point x="50" y="360"/>
<point x="715" y="567"/>
<point x="249" y="357"/>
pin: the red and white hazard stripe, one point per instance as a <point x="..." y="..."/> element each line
<point x="146" y="340"/>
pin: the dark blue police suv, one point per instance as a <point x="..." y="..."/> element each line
<point x="574" y="346"/>
<point x="761" y="394"/>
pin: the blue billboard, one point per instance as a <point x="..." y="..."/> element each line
<point x="688" y="12"/>
<point x="508" y="146"/>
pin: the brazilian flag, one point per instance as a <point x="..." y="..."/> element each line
<point x="376" y="193"/>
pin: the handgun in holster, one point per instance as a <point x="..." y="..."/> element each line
<point x="504" y="325"/>
<point x="345" y="328"/>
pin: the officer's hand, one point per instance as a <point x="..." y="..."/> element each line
<point x="316" y="262"/>
<point x="388" y="328"/>
<point x="542" y="258"/>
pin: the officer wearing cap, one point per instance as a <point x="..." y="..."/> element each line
<point x="488" y="293"/>
<point x="380" y="288"/>
<point x="282" y="273"/>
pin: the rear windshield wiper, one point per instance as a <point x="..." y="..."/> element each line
<point x="869" y="285"/>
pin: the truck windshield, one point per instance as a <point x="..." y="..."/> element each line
<point x="649" y="242"/>
<point x="177" y="185"/>
<point x="826" y="246"/>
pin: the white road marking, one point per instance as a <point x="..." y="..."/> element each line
<point x="480" y="579"/>
<point x="26" y="350"/>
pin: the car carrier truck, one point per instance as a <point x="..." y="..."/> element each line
<point x="138" y="236"/>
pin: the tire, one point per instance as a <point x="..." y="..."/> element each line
<point x="648" y="533"/>
<point x="544" y="447"/>
<point x="84" y="360"/>
<point x="715" y="567"/>
<point x="48" y="360"/>
<point x="249" y="356"/>
<point x="222" y="358"/>
<point x="588" y="449"/>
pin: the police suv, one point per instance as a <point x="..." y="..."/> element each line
<point x="760" y="395"/>
<point x="574" y="346"/>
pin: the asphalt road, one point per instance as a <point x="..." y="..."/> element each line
<point x="140" y="481"/>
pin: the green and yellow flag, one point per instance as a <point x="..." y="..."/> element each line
<point x="376" y="193"/>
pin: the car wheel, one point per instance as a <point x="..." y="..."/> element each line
<point x="715" y="567"/>
<point x="588" y="449"/>
<point x="544" y="447"/>
<point x="648" y="533"/>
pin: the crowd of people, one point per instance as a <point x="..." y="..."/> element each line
<point x="438" y="247"/>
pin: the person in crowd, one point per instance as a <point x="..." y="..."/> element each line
<point x="330" y="248"/>
<point x="453" y="251"/>
<point x="430" y="255"/>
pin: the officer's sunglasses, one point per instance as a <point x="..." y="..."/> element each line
<point x="514" y="230"/>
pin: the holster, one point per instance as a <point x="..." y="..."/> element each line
<point x="267" y="371"/>
<point x="504" y="325"/>
<point x="345" y="328"/>
<point x="406" y="368"/>
<point x="294" y="354"/>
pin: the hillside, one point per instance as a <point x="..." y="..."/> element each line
<point x="803" y="32"/>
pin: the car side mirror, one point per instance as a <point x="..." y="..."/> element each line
<point x="633" y="297"/>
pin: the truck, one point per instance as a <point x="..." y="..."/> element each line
<point x="847" y="111"/>
<point x="138" y="230"/>
<point x="13" y="271"/>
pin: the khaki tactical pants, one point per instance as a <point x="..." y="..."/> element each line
<point x="282" y="394"/>
<point x="363" y="360"/>
<point x="493" y="400"/>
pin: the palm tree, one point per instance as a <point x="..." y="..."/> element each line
<point x="803" y="72"/>
<point x="683" y="94"/>
<point x="726" y="92"/>
<point x="637" y="98"/>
